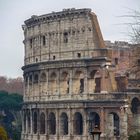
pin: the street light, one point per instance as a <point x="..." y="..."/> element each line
<point x="96" y="133"/>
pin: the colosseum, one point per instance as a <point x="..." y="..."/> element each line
<point x="71" y="83"/>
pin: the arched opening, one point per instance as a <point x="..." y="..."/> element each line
<point x="30" y="79"/>
<point x="53" y="76"/>
<point x="78" y="124"/>
<point x="78" y="81"/>
<point x="36" y="78"/>
<point x="92" y="74"/>
<point x="35" y="122"/>
<point x="29" y="122"/>
<point x="43" y="77"/>
<point x="114" y="124"/>
<point x="64" y="123"/>
<point x="26" y="80"/>
<point x="65" y="35"/>
<point x="91" y="81"/>
<point x="94" y="121"/>
<point x="44" y="40"/>
<point x="43" y="80"/>
<point x="134" y="105"/>
<point x="52" y="124"/>
<point x="53" y="83"/>
<point x="42" y="123"/>
<point x="135" y="109"/>
<point x="97" y="77"/>
<point x="24" y="122"/>
<point x="64" y="85"/>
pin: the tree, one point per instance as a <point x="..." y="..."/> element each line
<point x="10" y="108"/>
<point x="3" y="134"/>
<point x="135" y="136"/>
<point x="134" y="26"/>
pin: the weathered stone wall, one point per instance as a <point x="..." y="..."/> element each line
<point x="65" y="35"/>
<point x="70" y="83"/>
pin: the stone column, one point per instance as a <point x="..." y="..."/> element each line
<point x="123" y="123"/>
<point x="58" y="83"/>
<point x="39" y="84"/>
<point x="70" y="82"/>
<point x="71" y="133"/>
<point x="31" y="119"/>
<point x="103" y="81"/>
<point x="86" y="82"/>
<point x="102" y="122"/>
<point x="48" y="92"/>
<point x="26" y="121"/>
<point x="57" y="124"/>
<point x="85" y="125"/>
<point x="27" y="88"/>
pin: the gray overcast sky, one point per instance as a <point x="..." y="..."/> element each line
<point x="13" y="13"/>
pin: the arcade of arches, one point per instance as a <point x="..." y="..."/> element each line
<point x="45" y="122"/>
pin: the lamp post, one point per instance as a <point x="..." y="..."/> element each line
<point x="95" y="133"/>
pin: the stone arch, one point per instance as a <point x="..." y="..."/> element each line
<point x="43" y="77"/>
<point x="24" y="121"/>
<point x="64" y="83"/>
<point x="43" y="80"/>
<point x="52" y="123"/>
<point x="64" y="75"/>
<point x="94" y="120"/>
<point x="35" y="119"/>
<point x="36" y="84"/>
<point x="42" y="123"/>
<point x="64" y="124"/>
<point x="30" y="79"/>
<point x="53" y="76"/>
<point x="91" y="81"/>
<point x="135" y="109"/>
<point x="36" y="78"/>
<point x="53" y="82"/>
<point x="78" y="82"/>
<point x="135" y="103"/>
<point x="26" y="78"/>
<point x="92" y="74"/>
<point x="78" y="123"/>
<point x="79" y="74"/>
<point x="97" y="77"/>
<point x="113" y="124"/>
<point x="29" y="121"/>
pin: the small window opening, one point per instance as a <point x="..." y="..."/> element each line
<point x="65" y="37"/>
<point x="89" y="29"/>
<point x="78" y="55"/>
<point x="36" y="60"/>
<point x="98" y="85"/>
<point x="81" y="85"/>
<point x="54" y="57"/>
<point x="44" y="40"/>
<point x="31" y="43"/>
<point x="73" y="32"/>
<point x="139" y="62"/>
<point x="68" y="83"/>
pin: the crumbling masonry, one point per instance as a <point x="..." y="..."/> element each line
<point x="70" y="81"/>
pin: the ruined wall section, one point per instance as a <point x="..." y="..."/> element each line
<point x="69" y="34"/>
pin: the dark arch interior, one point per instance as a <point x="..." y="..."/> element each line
<point x="78" y="123"/>
<point x="134" y="105"/>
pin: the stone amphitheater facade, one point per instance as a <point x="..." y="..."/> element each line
<point x="68" y="84"/>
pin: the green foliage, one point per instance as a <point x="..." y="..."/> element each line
<point x="10" y="106"/>
<point x="10" y="101"/>
<point x="3" y="134"/>
<point x="16" y="134"/>
<point x="135" y="136"/>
